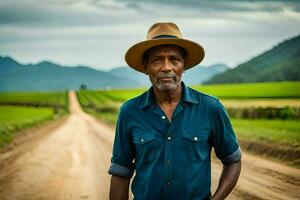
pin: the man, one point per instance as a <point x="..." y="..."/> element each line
<point x="166" y="134"/>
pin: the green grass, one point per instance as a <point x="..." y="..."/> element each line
<point x="122" y="95"/>
<point x="109" y="117"/>
<point x="225" y="91"/>
<point x="99" y="104"/>
<point x="90" y="98"/>
<point x="274" y="131"/>
<point x="15" y="118"/>
<point x="51" y="99"/>
<point x="253" y="90"/>
<point x="20" y="110"/>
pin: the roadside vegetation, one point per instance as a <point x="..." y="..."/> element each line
<point x="19" y="111"/>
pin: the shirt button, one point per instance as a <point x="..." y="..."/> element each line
<point x="195" y="138"/>
<point x="142" y="140"/>
<point x="163" y="117"/>
<point x="168" y="183"/>
<point x="168" y="162"/>
<point x="169" y="138"/>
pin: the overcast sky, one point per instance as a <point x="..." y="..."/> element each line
<point x="97" y="33"/>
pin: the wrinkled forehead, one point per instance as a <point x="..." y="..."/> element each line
<point x="165" y="50"/>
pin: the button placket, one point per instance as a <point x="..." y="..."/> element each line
<point x="168" y="159"/>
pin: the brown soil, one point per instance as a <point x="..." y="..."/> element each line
<point x="261" y="103"/>
<point x="69" y="159"/>
<point x="281" y="152"/>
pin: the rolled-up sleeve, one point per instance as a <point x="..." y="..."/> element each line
<point x="123" y="151"/>
<point x="224" y="140"/>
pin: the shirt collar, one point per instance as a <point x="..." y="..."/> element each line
<point x="188" y="96"/>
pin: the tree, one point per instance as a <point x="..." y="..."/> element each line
<point x="83" y="87"/>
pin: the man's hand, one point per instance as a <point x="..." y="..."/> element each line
<point x="228" y="180"/>
<point x="119" y="188"/>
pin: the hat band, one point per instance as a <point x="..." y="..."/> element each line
<point x="164" y="36"/>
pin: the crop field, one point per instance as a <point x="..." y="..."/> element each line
<point x="23" y="110"/>
<point x="89" y="98"/>
<point x="99" y="104"/>
<point x="275" y="131"/>
<point x="285" y="91"/>
<point x="15" y="118"/>
<point x="34" y="99"/>
<point x="253" y="90"/>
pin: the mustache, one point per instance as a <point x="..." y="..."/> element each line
<point x="166" y="75"/>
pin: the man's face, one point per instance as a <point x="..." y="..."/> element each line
<point x="164" y="66"/>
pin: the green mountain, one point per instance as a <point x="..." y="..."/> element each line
<point x="281" y="63"/>
<point x="47" y="76"/>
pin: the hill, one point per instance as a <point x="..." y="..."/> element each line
<point x="200" y="74"/>
<point x="281" y="63"/>
<point x="47" y="76"/>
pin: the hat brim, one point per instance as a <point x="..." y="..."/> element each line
<point x="134" y="55"/>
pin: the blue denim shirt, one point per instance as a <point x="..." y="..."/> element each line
<point x="172" y="160"/>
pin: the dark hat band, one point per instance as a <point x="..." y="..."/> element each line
<point x="164" y="36"/>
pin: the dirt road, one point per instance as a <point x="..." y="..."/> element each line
<point x="71" y="161"/>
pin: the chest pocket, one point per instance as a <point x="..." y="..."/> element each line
<point x="143" y="137"/>
<point x="144" y="145"/>
<point x="196" y="144"/>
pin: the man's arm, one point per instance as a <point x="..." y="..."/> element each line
<point x="119" y="188"/>
<point x="228" y="180"/>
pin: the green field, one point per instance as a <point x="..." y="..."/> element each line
<point x="274" y="131"/>
<point x="122" y="95"/>
<point x="99" y="104"/>
<point x="253" y="90"/>
<point x="15" y="118"/>
<point x="50" y="99"/>
<point x="226" y="91"/>
<point x="23" y="110"/>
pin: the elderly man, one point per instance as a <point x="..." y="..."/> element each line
<point x="166" y="134"/>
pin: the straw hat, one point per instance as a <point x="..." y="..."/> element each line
<point x="164" y="34"/>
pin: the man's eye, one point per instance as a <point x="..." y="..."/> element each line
<point x="176" y="59"/>
<point x="155" y="60"/>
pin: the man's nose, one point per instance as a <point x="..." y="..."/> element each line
<point x="167" y="65"/>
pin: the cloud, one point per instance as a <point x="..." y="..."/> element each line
<point x="32" y="13"/>
<point x="220" y="5"/>
<point x="63" y="13"/>
<point x="98" y="32"/>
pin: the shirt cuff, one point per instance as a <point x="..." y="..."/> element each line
<point x="119" y="170"/>
<point x="232" y="158"/>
